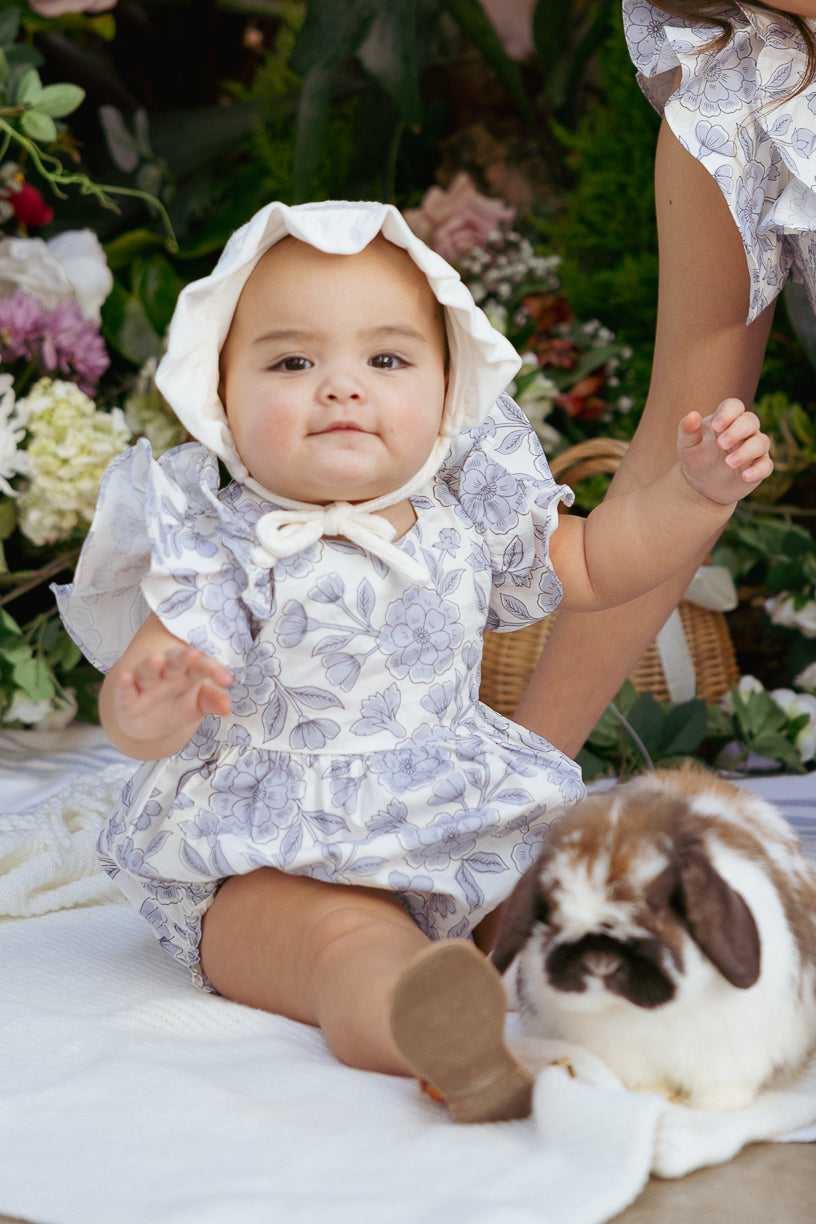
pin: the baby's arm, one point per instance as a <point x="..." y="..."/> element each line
<point x="637" y="540"/>
<point x="153" y="699"/>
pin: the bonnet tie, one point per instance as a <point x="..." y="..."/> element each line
<point x="280" y="533"/>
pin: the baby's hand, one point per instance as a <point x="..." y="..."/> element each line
<point x="724" y="456"/>
<point x="169" y="690"/>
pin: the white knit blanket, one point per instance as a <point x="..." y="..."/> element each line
<point x="126" y="1095"/>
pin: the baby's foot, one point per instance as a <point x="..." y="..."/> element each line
<point x="447" y="1019"/>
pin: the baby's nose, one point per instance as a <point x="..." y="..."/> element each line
<point x="341" y="387"/>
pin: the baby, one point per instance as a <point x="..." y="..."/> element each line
<point x="326" y="811"/>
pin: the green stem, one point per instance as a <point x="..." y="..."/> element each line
<point x="57" y="177"/>
<point x="64" y="561"/>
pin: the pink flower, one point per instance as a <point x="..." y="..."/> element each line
<point x="455" y="221"/>
<point x="513" y="22"/>
<point x="62" y="339"/>
<point x="72" y="344"/>
<point x="21" y="319"/>
<point x="56" y="8"/>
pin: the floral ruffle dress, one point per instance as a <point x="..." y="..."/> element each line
<point x="357" y="750"/>
<point x="732" y="111"/>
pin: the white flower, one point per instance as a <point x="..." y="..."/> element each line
<point x="807" y="678"/>
<point x="795" y="705"/>
<point x="783" y="611"/>
<point x="71" y="265"/>
<point x="70" y="445"/>
<point x="48" y="715"/>
<point x="746" y="685"/>
<point x="12" y="431"/>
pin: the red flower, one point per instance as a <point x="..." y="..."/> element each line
<point x="30" y="208"/>
<point x="581" y="400"/>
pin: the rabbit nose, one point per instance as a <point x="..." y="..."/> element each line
<point x="601" y="964"/>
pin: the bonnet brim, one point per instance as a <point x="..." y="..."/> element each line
<point x="482" y="360"/>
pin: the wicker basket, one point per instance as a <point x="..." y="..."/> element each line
<point x="509" y="658"/>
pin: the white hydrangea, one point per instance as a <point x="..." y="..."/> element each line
<point x="795" y="705"/>
<point x="745" y="685"/>
<point x="70" y="445"/>
<point x="783" y="611"/>
<point x="12" y="432"/>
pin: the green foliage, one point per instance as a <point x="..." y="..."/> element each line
<point x="637" y="731"/>
<point x="605" y="229"/>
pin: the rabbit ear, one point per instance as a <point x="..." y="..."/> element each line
<point x="718" y="919"/>
<point x="523" y="908"/>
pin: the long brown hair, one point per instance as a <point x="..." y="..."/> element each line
<point x="710" y="12"/>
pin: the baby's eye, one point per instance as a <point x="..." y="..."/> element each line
<point x="293" y="365"/>
<point x="387" y="361"/>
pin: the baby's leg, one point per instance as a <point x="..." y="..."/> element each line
<point x="324" y="954"/>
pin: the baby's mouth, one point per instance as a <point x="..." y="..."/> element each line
<point x="340" y="426"/>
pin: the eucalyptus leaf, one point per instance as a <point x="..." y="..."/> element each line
<point x="38" y="126"/>
<point x="29" y="88"/>
<point x="60" y="100"/>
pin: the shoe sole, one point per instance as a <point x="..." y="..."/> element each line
<point x="447" y="1019"/>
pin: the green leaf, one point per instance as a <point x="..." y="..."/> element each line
<point x="157" y="285"/>
<point x="29" y="89"/>
<point x="38" y="126"/>
<point x="9" y="26"/>
<point x="127" y="327"/>
<point x="34" y="678"/>
<point x="8" y="626"/>
<point x="330" y="34"/>
<point x="60" y="100"/>
<point x="684" y="728"/>
<point x="389" y="54"/>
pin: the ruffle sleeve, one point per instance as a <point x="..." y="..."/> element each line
<point x="733" y="112"/>
<point x="164" y="539"/>
<point x="498" y="481"/>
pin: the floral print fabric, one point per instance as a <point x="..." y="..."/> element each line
<point x="732" y="111"/>
<point x="357" y="750"/>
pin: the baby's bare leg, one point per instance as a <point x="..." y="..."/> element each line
<point x="325" y="954"/>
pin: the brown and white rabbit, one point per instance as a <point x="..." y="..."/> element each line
<point x="669" y="926"/>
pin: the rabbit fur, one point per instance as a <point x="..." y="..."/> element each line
<point x="669" y="926"/>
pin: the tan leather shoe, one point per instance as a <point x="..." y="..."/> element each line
<point x="447" y="1019"/>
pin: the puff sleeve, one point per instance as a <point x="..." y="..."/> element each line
<point x="736" y="111"/>
<point x="163" y="539"/>
<point x="499" y="483"/>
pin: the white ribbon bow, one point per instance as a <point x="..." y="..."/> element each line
<point x="281" y="533"/>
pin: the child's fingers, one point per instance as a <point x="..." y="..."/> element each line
<point x="726" y="413"/>
<point x="744" y="427"/>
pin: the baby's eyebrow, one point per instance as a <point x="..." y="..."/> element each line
<point x="285" y="335"/>
<point x="394" y="331"/>
<point x="373" y="335"/>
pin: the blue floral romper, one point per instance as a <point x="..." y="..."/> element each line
<point x="734" y="112"/>
<point x="357" y="750"/>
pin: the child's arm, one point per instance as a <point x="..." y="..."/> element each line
<point x="153" y="699"/>
<point x="632" y="543"/>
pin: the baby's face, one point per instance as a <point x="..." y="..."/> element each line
<point x="333" y="372"/>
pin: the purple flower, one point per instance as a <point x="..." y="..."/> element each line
<point x="62" y="339"/>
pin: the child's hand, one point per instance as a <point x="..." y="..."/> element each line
<point x="170" y="690"/>
<point x="724" y="456"/>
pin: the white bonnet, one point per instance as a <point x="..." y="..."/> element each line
<point x="482" y="361"/>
